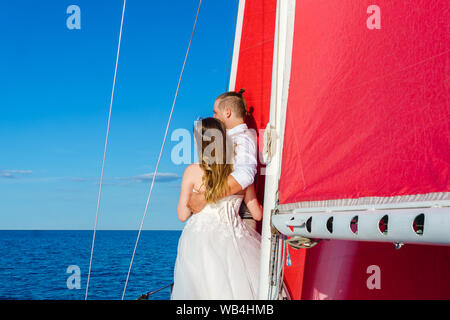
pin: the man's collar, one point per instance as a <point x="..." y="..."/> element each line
<point x="238" y="128"/>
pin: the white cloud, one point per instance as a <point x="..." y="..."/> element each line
<point x="13" y="174"/>
<point x="148" y="177"/>
<point x="143" y="178"/>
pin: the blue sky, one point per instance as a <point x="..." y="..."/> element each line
<point x="55" y="87"/>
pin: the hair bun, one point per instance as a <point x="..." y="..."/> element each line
<point x="241" y="91"/>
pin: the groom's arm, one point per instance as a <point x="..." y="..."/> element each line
<point x="245" y="162"/>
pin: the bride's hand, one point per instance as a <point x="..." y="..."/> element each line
<point x="197" y="202"/>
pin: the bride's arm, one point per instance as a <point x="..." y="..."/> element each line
<point x="252" y="203"/>
<point x="187" y="184"/>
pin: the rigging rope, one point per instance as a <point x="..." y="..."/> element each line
<point x="104" y="152"/>
<point x="161" y="151"/>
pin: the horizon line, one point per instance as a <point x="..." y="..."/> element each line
<point x="90" y="230"/>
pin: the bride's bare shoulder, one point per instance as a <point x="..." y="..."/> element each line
<point x="193" y="167"/>
<point x="193" y="175"/>
<point x="193" y="170"/>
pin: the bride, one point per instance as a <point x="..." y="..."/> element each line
<point x="218" y="254"/>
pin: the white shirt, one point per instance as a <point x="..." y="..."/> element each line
<point x="245" y="149"/>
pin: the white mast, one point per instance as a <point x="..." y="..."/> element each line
<point x="273" y="137"/>
<point x="237" y="45"/>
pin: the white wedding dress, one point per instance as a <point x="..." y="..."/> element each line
<point x="218" y="255"/>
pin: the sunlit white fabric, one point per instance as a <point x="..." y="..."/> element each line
<point x="218" y="255"/>
<point x="245" y="150"/>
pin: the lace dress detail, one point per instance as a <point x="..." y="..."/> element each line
<point x="215" y="217"/>
<point x="218" y="255"/>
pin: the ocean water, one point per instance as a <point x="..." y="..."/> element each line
<point x="34" y="264"/>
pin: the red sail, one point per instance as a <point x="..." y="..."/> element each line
<point x="254" y="71"/>
<point x="367" y="116"/>
<point x="368" y="111"/>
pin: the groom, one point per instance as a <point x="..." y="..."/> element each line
<point x="231" y="109"/>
